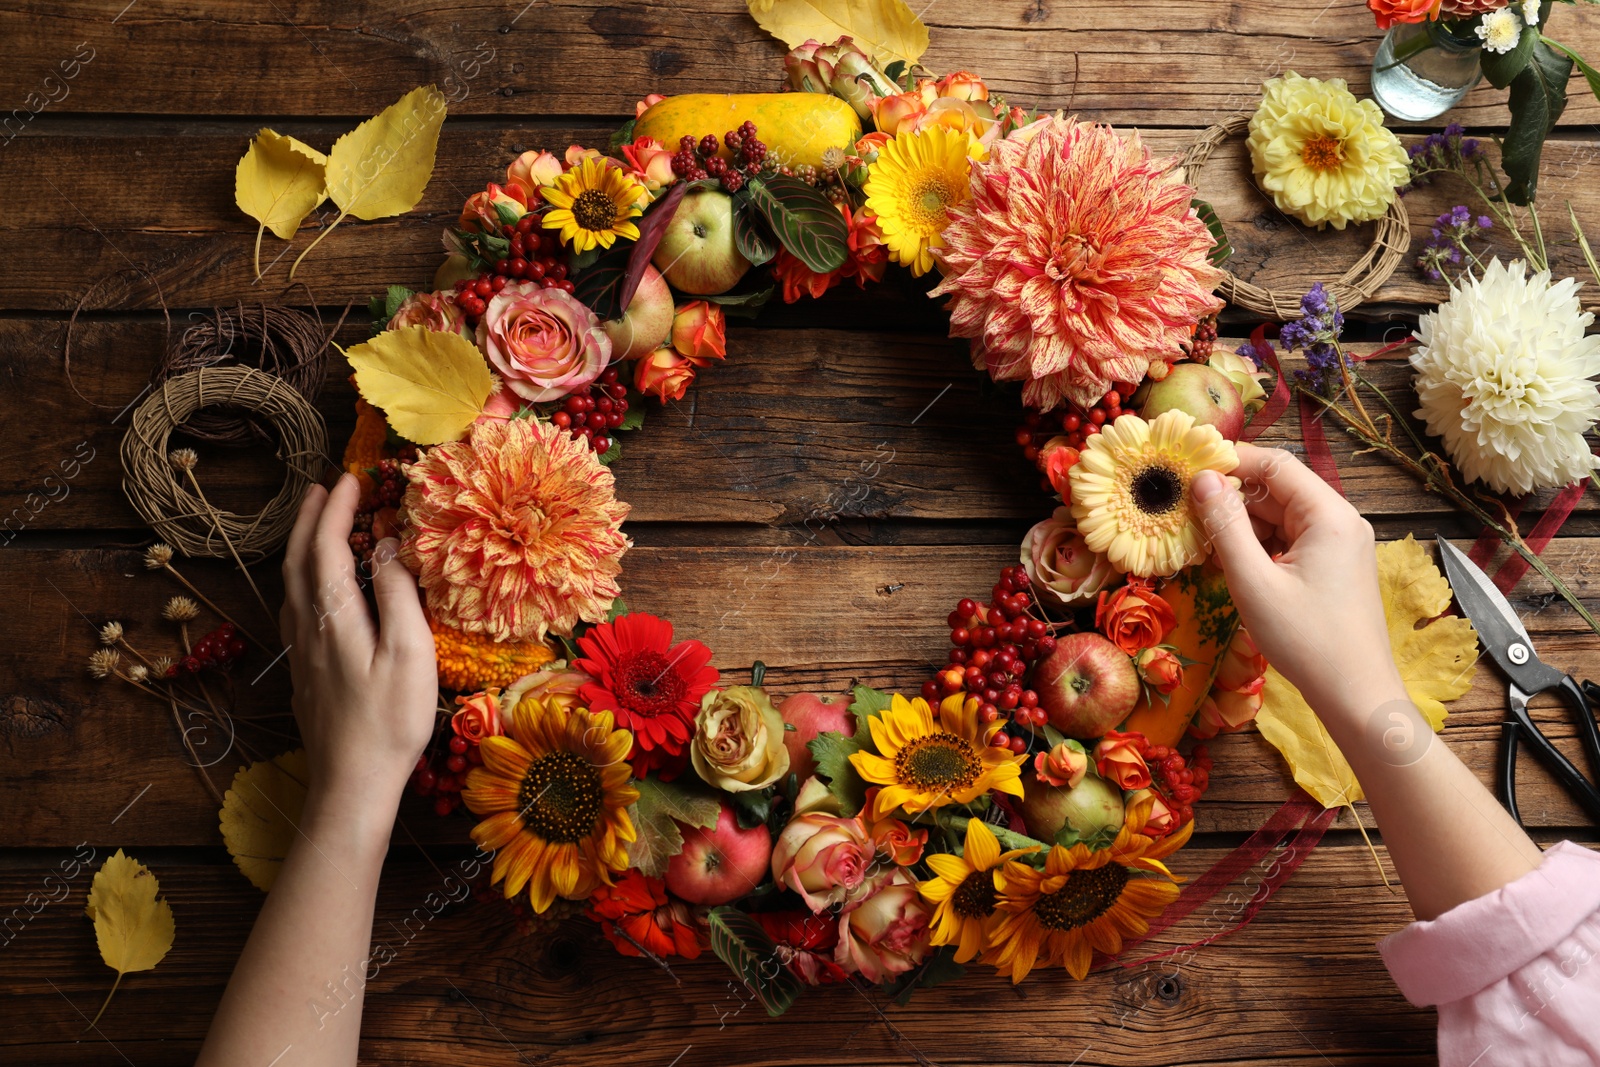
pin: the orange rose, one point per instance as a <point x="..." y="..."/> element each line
<point x="1160" y="669"/>
<point x="1389" y="12"/>
<point x="479" y="716"/>
<point x="663" y="373"/>
<point x="1225" y="712"/>
<point x="532" y="171"/>
<point x="1065" y="765"/>
<point x="1242" y="664"/>
<point x="647" y="103"/>
<point x="894" y="838"/>
<point x="650" y="161"/>
<point x="1057" y="458"/>
<point x="699" y="332"/>
<point x="891" y="114"/>
<point x="1120" y="761"/>
<point x="868" y="147"/>
<point x="962" y="85"/>
<point x="1163" y="818"/>
<point x="1134" y="618"/>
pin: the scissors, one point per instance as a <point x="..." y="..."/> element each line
<point x="1506" y="640"/>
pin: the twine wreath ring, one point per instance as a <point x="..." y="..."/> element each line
<point x="160" y="494"/>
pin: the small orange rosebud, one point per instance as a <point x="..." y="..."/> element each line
<point x="664" y="374"/>
<point x="1120" y="761"/>
<point x="699" y="331"/>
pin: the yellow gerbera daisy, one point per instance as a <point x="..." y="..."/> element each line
<point x="556" y="794"/>
<point x="592" y="204"/>
<point x="964" y="893"/>
<point x="915" y="177"/>
<point x="1083" y="902"/>
<point x="1130" y="490"/>
<point x="922" y="763"/>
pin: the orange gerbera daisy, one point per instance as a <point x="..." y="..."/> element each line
<point x="1083" y="902"/>
<point x="555" y="792"/>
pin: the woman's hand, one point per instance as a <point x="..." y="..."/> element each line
<point x="365" y="689"/>
<point x="1314" y="607"/>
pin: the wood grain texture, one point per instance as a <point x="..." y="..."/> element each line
<point x="196" y="249"/>
<point x="1290" y="982"/>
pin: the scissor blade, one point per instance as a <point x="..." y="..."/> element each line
<point x="1491" y="614"/>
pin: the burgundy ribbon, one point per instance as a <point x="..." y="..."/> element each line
<point x="1543" y="532"/>
<point x="1318" y="456"/>
<point x="1483" y="548"/>
<point x="1278" y="402"/>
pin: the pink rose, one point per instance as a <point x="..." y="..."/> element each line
<point x="699" y="332"/>
<point x="650" y="161"/>
<point x="1160" y="668"/>
<point x="1064" y="766"/>
<point x="436" y="311"/>
<point x="1225" y="712"/>
<point x="1163" y="817"/>
<point x="479" y="716"/>
<point x="830" y="861"/>
<point x="482" y="211"/>
<point x="543" y="343"/>
<point x="640" y="107"/>
<point x="1060" y="563"/>
<point x="532" y="171"/>
<point x="663" y="374"/>
<point x="554" y="683"/>
<point x="887" y="933"/>
<point x="1120" y="761"/>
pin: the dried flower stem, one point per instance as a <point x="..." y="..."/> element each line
<point x="216" y="521"/>
<point x="211" y="787"/>
<point x="170" y="569"/>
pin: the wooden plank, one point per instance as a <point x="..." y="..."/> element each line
<point x="198" y="247"/>
<point x="1148" y="63"/>
<point x="818" y="616"/>
<point x="567" y="999"/>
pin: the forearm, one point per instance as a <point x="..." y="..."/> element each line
<point x="1450" y="839"/>
<point x="299" y="982"/>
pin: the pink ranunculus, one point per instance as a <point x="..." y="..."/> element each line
<point x="887" y="933"/>
<point x="647" y="103"/>
<point x="1160" y="668"/>
<point x="1118" y="759"/>
<point x="699" y="332"/>
<point x="829" y="860"/>
<point x="1225" y="712"/>
<point x="436" y="311"/>
<point x="1242" y="664"/>
<point x="543" y="343"/>
<point x="532" y="171"/>
<point x="663" y="374"/>
<point x="1064" y="766"/>
<point x="650" y="161"/>
<point x="482" y="211"/>
<point x="1062" y="567"/>
<point x="479" y="716"/>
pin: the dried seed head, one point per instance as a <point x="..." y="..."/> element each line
<point x="111" y="633"/>
<point x="184" y="459"/>
<point x="157" y="556"/>
<point x="138" y="673"/>
<point x="180" y="609"/>
<point x="162" y="665"/>
<point x="103" y="662"/>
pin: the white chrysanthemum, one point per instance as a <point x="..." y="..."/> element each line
<point x="1500" y="30"/>
<point x="1503" y="373"/>
<point x="1530" y="12"/>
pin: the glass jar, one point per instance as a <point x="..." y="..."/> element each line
<point x="1423" y="69"/>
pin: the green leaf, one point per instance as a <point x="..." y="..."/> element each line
<point x="744" y="946"/>
<point x="868" y="703"/>
<point x="656" y="814"/>
<point x="1221" y="249"/>
<point x="618" y="607"/>
<point x="805" y="221"/>
<point x="832" y="751"/>
<point x="1538" y="96"/>
<point x="940" y="967"/>
<point x="745" y="303"/>
<point x="633" y="418"/>
<point x="758" y="673"/>
<point x="748" y="231"/>
<point x="507" y="214"/>
<point x="1590" y="74"/>
<point x="1501" y="68"/>
<point x="751" y="807"/>
<point x="621" y="135"/>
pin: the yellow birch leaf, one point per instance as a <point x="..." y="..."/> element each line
<point x="133" y="928"/>
<point x="278" y="183"/>
<point x="1437" y="660"/>
<point x="887" y="30"/>
<point x="430" y="384"/>
<point x="261" y="815"/>
<point x="381" y="167"/>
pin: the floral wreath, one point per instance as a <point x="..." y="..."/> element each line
<point x="1018" y="810"/>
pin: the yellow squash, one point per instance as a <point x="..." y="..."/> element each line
<point x="1206" y="622"/>
<point x="797" y="128"/>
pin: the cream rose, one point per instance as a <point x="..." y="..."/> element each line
<point x="1060" y="563"/>
<point x="887" y="933"/>
<point x="738" y="740"/>
<point x="543" y="343"/>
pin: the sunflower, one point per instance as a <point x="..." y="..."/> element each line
<point x="964" y="893"/>
<point x="914" y="179"/>
<point x="556" y="794"/>
<point x="592" y="204"/>
<point x="1083" y="902"/>
<point x="925" y="763"/>
<point x="1130" y="490"/>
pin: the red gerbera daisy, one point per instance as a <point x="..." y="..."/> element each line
<point x="652" y="685"/>
<point x="636" y="913"/>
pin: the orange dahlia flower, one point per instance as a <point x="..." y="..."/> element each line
<point x="1075" y="262"/>
<point x="514" y="531"/>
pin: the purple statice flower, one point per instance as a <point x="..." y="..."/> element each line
<point x="1257" y="354"/>
<point x="1449" y="242"/>
<point x="1447" y="150"/>
<point x="1316" y="332"/>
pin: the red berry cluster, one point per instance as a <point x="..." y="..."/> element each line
<point x="1205" y="339"/>
<point x="1181" y="781"/>
<point x="442" y="774"/>
<point x="995" y="646"/>
<point x="217" y="650"/>
<point x="378" y="515"/>
<point x="698" y="160"/>
<point x="595" y="411"/>
<point x="533" y="257"/>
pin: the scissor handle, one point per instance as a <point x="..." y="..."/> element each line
<point x="1521" y="726"/>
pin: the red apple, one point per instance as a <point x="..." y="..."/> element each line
<point x="1091" y="807"/>
<point x="1203" y="392"/>
<point x="720" y="865"/>
<point x="811" y="715"/>
<point x="1086" y="686"/>
<point x="697" y="251"/>
<point x="647" y="323"/>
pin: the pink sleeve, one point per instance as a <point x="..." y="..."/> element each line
<point x="1514" y="973"/>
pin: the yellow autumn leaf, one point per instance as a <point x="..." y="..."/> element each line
<point x="887" y="30"/>
<point x="1437" y="662"/>
<point x="133" y="928"/>
<point x="261" y="815"/>
<point x="381" y="167"/>
<point x="430" y="384"/>
<point x="278" y="183"/>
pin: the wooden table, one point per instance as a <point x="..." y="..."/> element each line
<point x="758" y="527"/>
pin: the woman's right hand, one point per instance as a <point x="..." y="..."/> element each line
<point x="1301" y="569"/>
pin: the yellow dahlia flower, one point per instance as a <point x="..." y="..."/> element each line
<point x="593" y="204"/>
<point x="914" y="179"/>
<point x="925" y="761"/>
<point x="1130" y="490"/>
<point x="1322" y="155"/>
